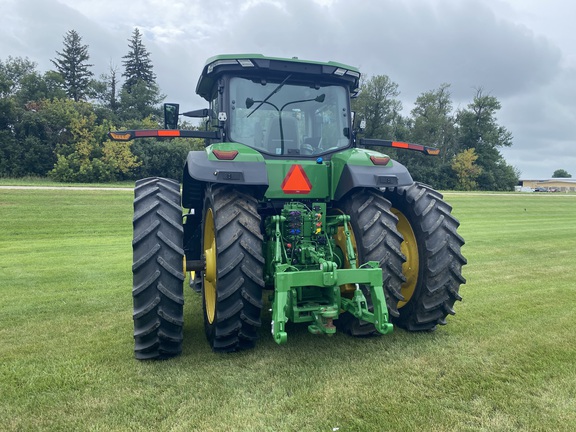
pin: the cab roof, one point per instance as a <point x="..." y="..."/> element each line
<point x="258" y="65"/>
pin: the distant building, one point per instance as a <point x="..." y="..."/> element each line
<point x="552" y="184"/>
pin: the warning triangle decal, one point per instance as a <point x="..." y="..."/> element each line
<point x="296" y="181"/>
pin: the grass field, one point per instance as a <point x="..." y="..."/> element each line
<point x="44" y="181"/>
<point x="505" y="362"/>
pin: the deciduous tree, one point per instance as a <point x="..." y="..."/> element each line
<point x="466" y="170"/>
<point x="478" y="128"/>
<point x="561" y="173"/>
<point x="83" y="153"/>
<point x="432" y="123"/>
<point x="12" y="73"/>
<point x="377" y="103"/>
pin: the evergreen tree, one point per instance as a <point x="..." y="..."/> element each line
<point x="140" y="95"/>
<point x="141" y="102"/>
<point x="137" y="63"/>
<point x="72" y="64"/>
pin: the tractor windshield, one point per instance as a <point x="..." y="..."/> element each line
<point x="281" y="118"/>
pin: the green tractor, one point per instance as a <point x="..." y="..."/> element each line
<point x="286" y="200"/>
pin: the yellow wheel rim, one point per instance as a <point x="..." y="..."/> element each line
<point x="210" y="272"/>
<point x="340" y="240"/>
<point x="410" y="250"/>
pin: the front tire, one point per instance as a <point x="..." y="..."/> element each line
<point x="433" y="267"/>
<point x="233" y="279"/>
<point x="157" y="269"/>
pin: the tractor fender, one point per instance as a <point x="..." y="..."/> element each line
<point x="355" y="176"/>
<point x="199" y="170"/>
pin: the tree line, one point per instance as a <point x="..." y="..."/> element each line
<point x="55" y="124"/>
<point x="469" y="139"/>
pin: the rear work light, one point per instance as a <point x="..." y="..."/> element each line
<point x="225" y="154"/>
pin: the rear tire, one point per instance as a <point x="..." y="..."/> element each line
<point x="377" y="239"/>
<point x="433" y="267"/>
<point x="157" y="269"/>
<point x="233" y="279"/>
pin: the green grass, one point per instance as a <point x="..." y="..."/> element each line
<point x="44" y="181"/>
<point x="506" y="361"/>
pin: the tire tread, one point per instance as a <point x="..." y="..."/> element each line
<point x="157" y="269"/>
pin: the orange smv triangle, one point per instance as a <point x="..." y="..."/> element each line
<point x="296" y="181"/>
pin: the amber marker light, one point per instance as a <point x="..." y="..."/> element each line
<point x="225" y="154"/>
<point x="120" y="136"/>
<point x="379" y="160"/>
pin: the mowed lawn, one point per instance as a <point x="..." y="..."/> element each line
<point x="505" y="362"/>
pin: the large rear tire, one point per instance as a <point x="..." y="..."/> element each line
<point x="233" y="279"/>
<point x="433" y="267"/>
<point x="157" y="269"/>
<point x="376" y="239"/>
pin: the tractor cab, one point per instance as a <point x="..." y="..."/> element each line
<point x="279" y="107"/>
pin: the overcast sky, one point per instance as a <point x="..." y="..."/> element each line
<point x="523" y="52"/>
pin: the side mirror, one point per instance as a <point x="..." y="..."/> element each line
<point x="171" y="112"/>
<point x="200" y="113"/>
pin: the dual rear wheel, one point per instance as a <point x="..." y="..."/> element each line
<point x="232" y="281"/>
<point x="412" y="233"/>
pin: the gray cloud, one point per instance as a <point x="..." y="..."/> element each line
<point x="499" y="46"/>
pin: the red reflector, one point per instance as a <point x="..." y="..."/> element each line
<point x="416" y="147"/>
<point x="156" y="133"/>
<point x="399" y="144"/>
<point x="378" y="160"/>
<point x="296" y="181"/>
<point x="225" y="154"/>
<point x="169" y="133"/>
<point x="145" y="133"/>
